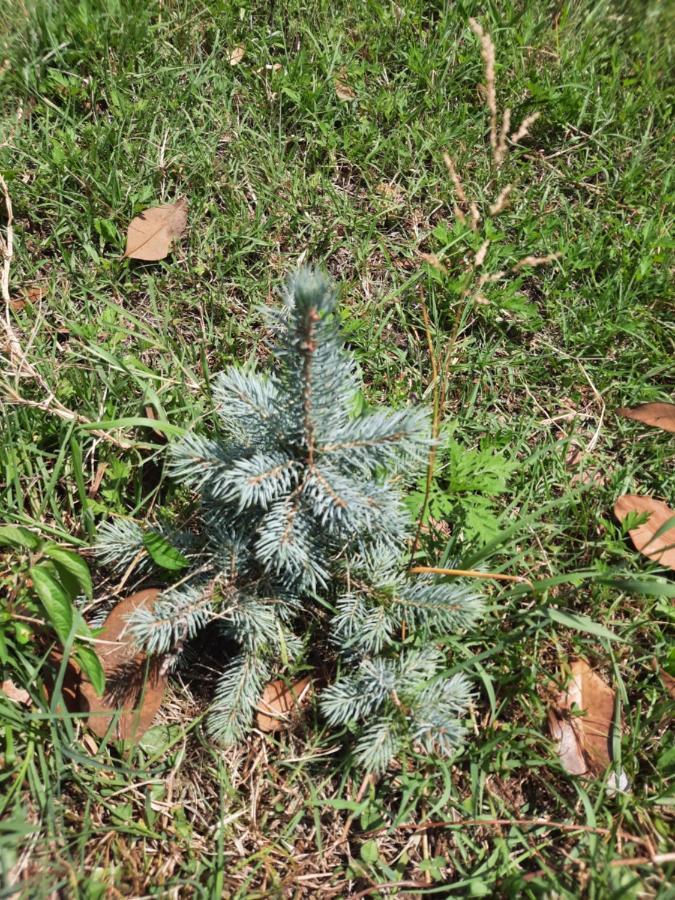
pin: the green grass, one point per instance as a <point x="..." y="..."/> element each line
<point x="125" y="104"/>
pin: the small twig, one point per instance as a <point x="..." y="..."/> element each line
<point x="467" y="573"/>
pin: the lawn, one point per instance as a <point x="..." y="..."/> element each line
<point x="324" y="142"/>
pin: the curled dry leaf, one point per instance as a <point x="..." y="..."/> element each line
<point x="278" y="703"/>
<point x="150" y="234"/>
<point x="134" y="683"/>
<point x="236" y="56"/>
<point x="344" y="91"/>
<point x="659" y="547"/>
<point x="660" y="415"/>
<point x="584" y="741"/>
<point x="14" y="693"/>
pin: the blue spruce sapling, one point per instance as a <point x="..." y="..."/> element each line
<point x="301" y="502"/>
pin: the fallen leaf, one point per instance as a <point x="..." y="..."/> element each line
<point x="668" y="682"/>
<point x="37" y="292"/>
<point x="584" y="741"/>
<point x="344" y="91"/>
<point x="660" y="415"/>
<point x="236" y="56"/>
<point x="662" y="548"/>
<point x="30" y="295"/>
<point x="14" y="693"/>
<point x="134" y="684"/>
<point x="150" y="234"/>
<point x="279" y="701"/>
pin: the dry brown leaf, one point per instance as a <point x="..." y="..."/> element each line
<point x="344" y="91"/>
<point x="279" y="701"/>
<point x="668" y="682"/>
<point x="662" y="548"/>
<point x="150" y="234"/>
<point x="660" y="415"/>
<point x="584" y="741"/>
<point x="236" y="56"/>
<point x="14" y="693"/>
<point x="30" y="295"/>
<point x="35" y="293"/>
<point x="134" y="684"/>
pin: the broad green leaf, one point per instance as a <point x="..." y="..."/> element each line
<point x="81" y="627"/>
<point x="582" y="623"/>
<point x="370" y="852"/>
<point x="18" y="537"/>
<point x="160" y="738"/>
<point x="72" y="563"/>
<point x="91" y="666"/>
<point x="164" y="553"/>
<point x="653" y="587"/>
<point x="55" y="601"/>
<point x="66" y="579"/>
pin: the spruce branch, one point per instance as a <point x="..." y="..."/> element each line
<point x="302" y="513"/>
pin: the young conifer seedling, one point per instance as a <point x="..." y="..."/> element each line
<point x="301" y="512"/>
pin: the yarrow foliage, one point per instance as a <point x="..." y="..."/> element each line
<point x="301" y="511"/>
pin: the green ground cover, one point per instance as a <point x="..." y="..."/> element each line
<point x="325" y="143"/>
